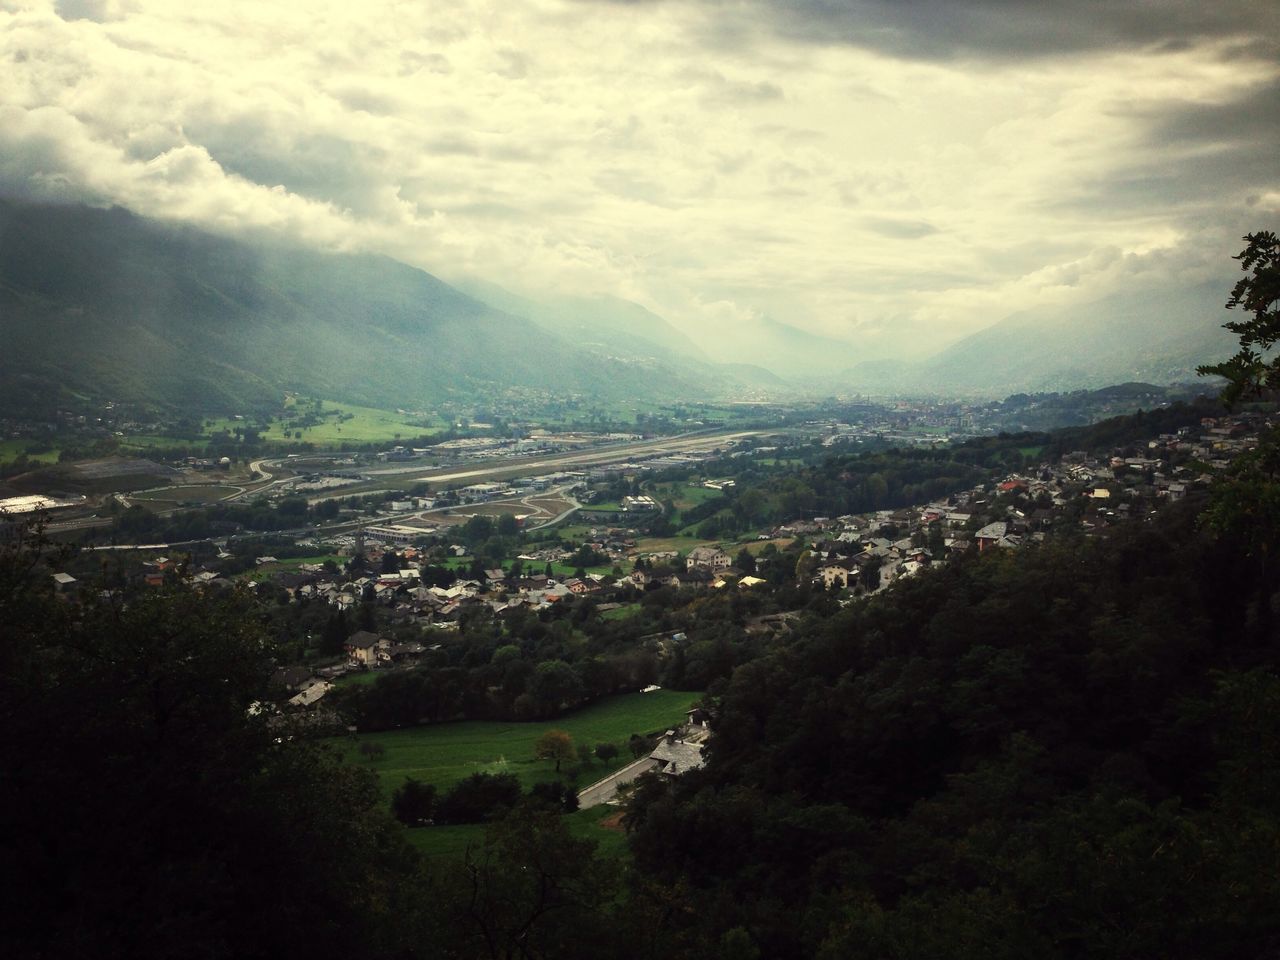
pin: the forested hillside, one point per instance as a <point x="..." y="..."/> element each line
<point x="1065" y="751"/>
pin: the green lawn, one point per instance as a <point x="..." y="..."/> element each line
<point x="359" y="678"/>
<point x="445" y="753"/>
<point x="366" y="425"/>
<point x="624" y="611"/>
<point x="191" y="494"/>
<point x="12" y="449"/>
<point x="452" y="841"/>
<point x="665" y="544"/>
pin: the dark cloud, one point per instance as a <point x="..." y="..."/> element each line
<point x="1195" y="154"/>
<point x="96" y="10"/>
<point x="1001" y="29"/>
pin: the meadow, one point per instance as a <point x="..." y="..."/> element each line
<point x="339" y="424"/>
<point x="442" y="754"/>
<point x="452" y="841"/>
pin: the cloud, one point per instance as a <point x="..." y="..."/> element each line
<point x="712" y="161"/>
<point x="899" y="229"/>
<point x="1003" y="30"/>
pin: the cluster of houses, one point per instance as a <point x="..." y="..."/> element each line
<point x="870" y="552"/>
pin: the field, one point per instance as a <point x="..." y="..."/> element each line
<point x="622" y="612"/>
<point x="665" y="544"/>
<point x="443" y="754"/>
<point x="12" y="449"/>
<point x="452" y="841"/>
<point x="366" y="425"/>
<point x="685" y="495"/>
<point x="192" y="494"/>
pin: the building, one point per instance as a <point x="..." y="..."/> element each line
<point x="711" y="559"/>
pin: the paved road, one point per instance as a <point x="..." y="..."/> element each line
<point x="602" y="791"/>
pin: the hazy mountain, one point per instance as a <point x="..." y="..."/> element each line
<point x="1154" y="336"/>
<point x="107" y="302"/>
<point x="605" y="324"/>
<point x="786" y="350"/>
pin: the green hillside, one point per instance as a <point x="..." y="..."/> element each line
<point x="107" y="303"/>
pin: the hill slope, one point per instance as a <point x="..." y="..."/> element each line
<point x="105" y="302"/>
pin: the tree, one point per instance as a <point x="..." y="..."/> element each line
<point x="209" y="813"/>
<point x="554" y="683"/>
<point x="1248" y="374"/>
<point x="414" y="802"/>
<point x="606" y="751"/>
<point x="555" y="745"/>
<point x="535" y="890"/>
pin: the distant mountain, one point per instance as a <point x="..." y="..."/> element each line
<point x="786" y="350"/>
<point x="606" y="324"/>
<point x="1153" y="336"/>
<point x="103" y="301"/>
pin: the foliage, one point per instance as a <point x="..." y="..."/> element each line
<point x="414" y="802"/>
<point x="555" y="745"/>
<point x="993" y="758"/>
<point x="1250" y="372"/>
<point x="481" y="796"/>
<point x="136" y="773"/>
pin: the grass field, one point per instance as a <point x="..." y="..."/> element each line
<point x="443" y="754"/>
<point x="366" y="425"/>
<point x="12" y="449"/>
<point x="665" y="544"/>
<point x="624" y="611"/>
<point x="195" y="493"/>
<point x="452" y="841"/>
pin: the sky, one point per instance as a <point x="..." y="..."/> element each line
<point x="891" y="174"/>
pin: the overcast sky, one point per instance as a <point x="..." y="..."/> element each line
<point x="893" y="173"/>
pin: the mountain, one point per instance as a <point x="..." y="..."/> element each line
<point x="617" y="329"/>
<point x="105" y="302"/>
<point x="786" y="350"/>
<point x="1154" y="336"/>
<point x="606" y="324"/>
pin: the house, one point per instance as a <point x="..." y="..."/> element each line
<point x="310" y="694"/>
<point x="292" y="678"/>
<point x="676" y="757"/>
<point x="362" y="648"/>
<point x="711" y="559"/>
<point x="990" y="535"/>
<point x="838" y="572"/>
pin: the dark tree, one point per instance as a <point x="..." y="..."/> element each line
<point x="414" y="802"/>
<point x="1250" y="373"/>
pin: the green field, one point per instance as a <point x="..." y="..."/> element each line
<point x="666" y="544"/>
<point x="12" y="449"/>
<point x="624" y="611"/>
<point x="195" y="493"/>
<point x="445" y="753"/>
<point x="366" y="425"/>
<point x="452" y="841"/>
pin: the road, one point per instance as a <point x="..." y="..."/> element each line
<point x="602" y="791"/>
